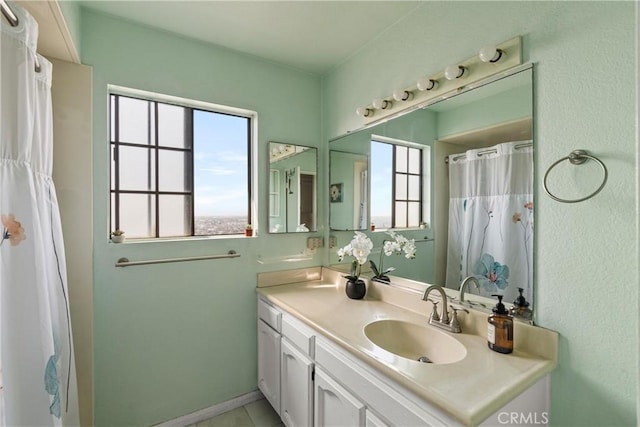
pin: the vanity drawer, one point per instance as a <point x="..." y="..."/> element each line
<point x="299" y="334"/>
<point x="377" y="392"/>
<point x="269" y="314"/>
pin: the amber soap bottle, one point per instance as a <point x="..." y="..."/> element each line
<point x="500" y="329"/>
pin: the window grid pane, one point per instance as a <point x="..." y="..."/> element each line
<point x="133" y="120"/>
<point x="414" y="160"/>
<point x="171" y="126"/>
<point x="413" y="192"/>
<point x="401" y="158"/>
<point x="172" y="166"/>
<point x="137" y="214"/>
<point x="174" y="217"/>
<point x="401" y="186"/>
<point x="401" y="214"/>
<point x="137" y="166"/>
<point x="413" y="214"/>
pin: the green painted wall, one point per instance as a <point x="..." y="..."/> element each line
<point x="585" y="251"/>
<point x="174" y="338"/>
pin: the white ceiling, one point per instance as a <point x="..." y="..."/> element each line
<point x="314" y="36"/>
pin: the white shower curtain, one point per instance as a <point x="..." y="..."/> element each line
<point x="37" y="372"/>
<point x="491" y="219"/>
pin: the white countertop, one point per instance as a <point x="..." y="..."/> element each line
<point x="469" y="390"/>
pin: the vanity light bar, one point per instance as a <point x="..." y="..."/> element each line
<point x="455" y="78"/>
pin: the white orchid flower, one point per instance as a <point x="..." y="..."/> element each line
<point x="396" y="246"/>
<point x="359" y="248"/>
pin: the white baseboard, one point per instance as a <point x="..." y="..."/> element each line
<point x="212" y="411"/>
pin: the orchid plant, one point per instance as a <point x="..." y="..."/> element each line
<point x="359" y="248"/>
<point x="397" y="245"/>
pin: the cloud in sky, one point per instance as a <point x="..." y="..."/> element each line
<point x="220" y="170"/>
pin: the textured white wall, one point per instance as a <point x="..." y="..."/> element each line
<point x="585" y="93"/>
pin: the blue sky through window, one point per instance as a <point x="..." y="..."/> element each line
<point x="220" y="164"/>
<point x="381" y="179"/>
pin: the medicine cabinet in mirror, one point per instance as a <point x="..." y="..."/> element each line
<point x="458" y="145"/>
<point x="292" y="188"/>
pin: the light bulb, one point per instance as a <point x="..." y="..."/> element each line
<point x="402" y="95"/>
<point x="381" y="104"/>
<point x="425" y="83"/>
<point x="490" y="54"/>
<point x="453" y="72"/>
<point x="364" y="112"/>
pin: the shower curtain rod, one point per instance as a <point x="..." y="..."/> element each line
<point x="489" y="151"/>
<point x="13" y="20"/>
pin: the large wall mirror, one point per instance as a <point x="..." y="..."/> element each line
<point x="443" y="167"/>
<point x="292" y="188"/>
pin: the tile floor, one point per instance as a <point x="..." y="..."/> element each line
<point x="254" y="414"/>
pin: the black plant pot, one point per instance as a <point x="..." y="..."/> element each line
<point x="356" y="290"/>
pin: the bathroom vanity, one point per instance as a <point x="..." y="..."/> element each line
<point x="326" y="360"/>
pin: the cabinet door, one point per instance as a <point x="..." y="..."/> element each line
<point x="269" y="364"/>
<point x="335" y="406"/>
<point x="296" y="386"/>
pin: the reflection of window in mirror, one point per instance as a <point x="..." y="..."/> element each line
<point x="397" y="183"/>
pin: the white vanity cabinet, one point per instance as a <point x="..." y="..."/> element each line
<point x="285" y="364"/>
<point x="269" y="343"/>
<point x="334" y="405"/>
<point x="311" y="380"/>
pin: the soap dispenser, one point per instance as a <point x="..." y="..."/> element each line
<point x="500" y="329"/>
<point x="520" y="309"/>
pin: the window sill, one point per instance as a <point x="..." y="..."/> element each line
<point x="399" y="230"/>
<point x="182" y="239"/>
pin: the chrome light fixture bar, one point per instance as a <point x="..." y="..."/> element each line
<point x="454" y="78"/>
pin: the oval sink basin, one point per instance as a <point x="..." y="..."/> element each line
<point x="415" y="342"/>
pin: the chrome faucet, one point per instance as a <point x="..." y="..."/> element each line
<point x="443" y="321"/>
<point x="464" y="284"/>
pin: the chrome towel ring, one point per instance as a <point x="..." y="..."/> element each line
<point x="576" y="157"/>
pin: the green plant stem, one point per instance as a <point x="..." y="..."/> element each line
<point x="380" y="268"/>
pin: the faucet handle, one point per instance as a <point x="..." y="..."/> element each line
<point x="455" y="324"/>
<point x="455" y="309"/>
<point x="434" y="314"/>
